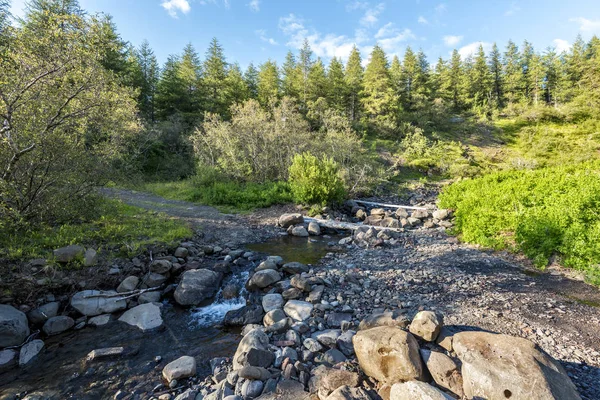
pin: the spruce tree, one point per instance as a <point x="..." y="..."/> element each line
<point x="317" y="82"/>
<point x="527" y="82"/>
<point x="290" y="79"/>
<point x="497" y="77"/>
<point x="480" y="82"/>
<point x="408" y="76"/>
<point x="336" y="86"/>
<point x="304" y="66"/>
<point x="396" y="75"/>
<point x="379" y="101"/>
<point x="214" y="74"/>
<point x="236" y="90"/>
<point x="422" y="84"/>
<point x="189" y="71"/>
<point x="512" y="73"/>
<point x="171" y="91"/>
<point x="251" y="79"/>
<point x="268" y="84"/>
<point x="354" y="83"/>
<point x="456" y="82"/>
<point x="150" y="73"/>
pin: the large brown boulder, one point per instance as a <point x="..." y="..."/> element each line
<point x="501" y="367"/>
<point x="388" y="354"/>
<point x="415" y="390"/>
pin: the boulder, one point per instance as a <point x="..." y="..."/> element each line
<point x="388" y="318"/>
<point x="56" y="325"/>
<point x="325" y="380"/>
<point x="292" y="294"/>
<point x="314" y="229"/>
<point x="8" y="360"/>
<point x="294" y="268"/>
<point x="255" y="339"/>
<point x="415" y="390"/>
<point x="196" y="286"/>
<point x="128" y="284"/>
<point x="278" y="260"/>
<point x="181" y="252"/>
<point x="152" y="279"/>
<point x="266" y="265"/>
<point x="378" y="212"/>
<point x="390" y="222"/>
<point x="41" y="314"/>
<point x="419" y="214"/>
<point x="349" y="393"/>
<point x="183" y="367"/>
<point x="444" y="339"/>
<point x="29" y="351"/>
<point x="273" y="316"/>
<point x="272" y="301"/>
<point x="299" y="231"/>
<point x="99" y="320"/>
<point x="161" y="266"/>
<point x="149" y="297"/>
<point x="90" y="306"/>
<point x="145" y="316"/>
<point x="254" y="373"/>
<point x="344" y="343"/>
<point x="441" y="214"/>
<point x="69" y="254"/>
<point x="262" y="279"/>
<point x="498" y="366"/>
<point x="301" y="283"/>
<point x="250" y="314"/>
<point x="90" y="258"/>
<point x="443" y="370"/>
<point x="316" y="294"/>
<point x="330" y="358"/>
<point x="374" y="220"/>
<point x="335" y="319"/>
<point x="401" y="213"/>
<point x="328" y="337"/>
<point x="298" y="310"/>
<point x="426" y="325"/>
<point x="388" y="354"/>
<point x="287" y="220"/>
<point x="312" y="345"/>
<point x="14" y="327"/>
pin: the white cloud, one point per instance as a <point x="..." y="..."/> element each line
<point x="254" y="5"/>
<point x="512" y="10"/>
<point x="440" y="8"/>
<point x="386" y="30"/>
<point x="423" y="20"/>
<point x="392" y="44"/>
<point x="356" y="5"/>
<point x="262" y="34"/>
<point x="561" y="45"/>
<point x="472" y="48"/>
<point x="587" y="25"/>
<point x="372" y="15"/>
<point x="175" y="6"/>
<point x="452" y="40"/>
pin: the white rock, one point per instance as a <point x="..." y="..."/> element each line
<point x="298" y="310"/>
<point x="183" y="367"/>
<point x="92" y="306"/>
<point x="417" y="390"/>
<point x="14" y="327"/>
<point x="99" y="320"/>
<point x="145" y="316"/>
<point x="272" y="301"/>
<point x="29" y="351"/>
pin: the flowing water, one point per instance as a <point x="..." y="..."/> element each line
<point x="61" y="372"/>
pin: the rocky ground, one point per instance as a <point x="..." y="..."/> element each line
<point x="298" y="338"/>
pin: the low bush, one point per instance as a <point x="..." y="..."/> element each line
<point x="544" y="213"/>
<point x="315" y="181"/>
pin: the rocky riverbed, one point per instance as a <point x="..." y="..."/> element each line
<point x="212" y="320"/>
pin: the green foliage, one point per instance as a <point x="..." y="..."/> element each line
<point x="545" y="212"/>
<point x="213" y="188"/>
<point x="315" y="181"/>
<point x="114" y="224"/>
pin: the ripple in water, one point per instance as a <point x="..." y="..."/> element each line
<point x="213" y="314"/>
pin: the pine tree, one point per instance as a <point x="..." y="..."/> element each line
<point x="336" y="85"/>
<point x="170" y="91"/>
<point x="555" y="85"/>
<point x="379" y="101"/>
<point x="189" y="71"/>
<point x="480" y="82"/>
<point x="214" y="74"/>
<point x="317" y="82"/>
<point x="150" y="72"/>
<point x="575" y="67"/>
<point x="268" y="83"/>
<point x="236" y="90"/>
<point x="512" y="73"/>
<point x="527" y="82"/>
<point x="354" y="82"/>
<point x="396" y="75"/>
<point x="422" y="84"/>
<point x="440" y="80"/>
<point x="290" y="80"/>
<point x="251" y="79"/>
<point x="497" y="77"/>
<point x="456" y="82"/>
<point x="408" y="76"/>
<point x="536" y="77"/>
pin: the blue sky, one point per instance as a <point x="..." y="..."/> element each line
<point x="256" y="30"/>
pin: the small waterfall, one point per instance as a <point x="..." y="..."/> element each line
<point x="214" y="313"/>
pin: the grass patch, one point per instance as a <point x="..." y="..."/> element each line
<point x="117" y="225"/>
<point x="211" y="188"/>
<point x="552" y="211"/>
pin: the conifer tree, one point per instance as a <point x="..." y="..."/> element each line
<point x="268" y="83"/>
<point x="455" y="82"/>
<point x="171" y="93"/>
<point x="290" y="79"/>
<point x="213" y="79"/>
<point x="354" y="83"/>
<point x="336" y="86"/>
<point x="236" y="90"/>
<point x="410" y="70"/>
<point x="150" y="73"/>
<point x="512" y="73"/>
<point x="527" y="82"/>
<point x="379" y="101"/>
<point x="396" y="75"/>
<point x="422" y="85"/>
<point x="317" y="82"/>
<point x="480" y="82"/>
<point x="497" y="77"/>
<point x="251" y="79"/>
<point x="304" y="66"/>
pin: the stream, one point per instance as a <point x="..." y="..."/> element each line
<point x="62" y="372"/>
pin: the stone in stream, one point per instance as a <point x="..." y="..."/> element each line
<point x="443" y="370"/>
<point x="388" y="354"/>
<point x="255" y="339"/>
<point x="99" y="320"/>
<point x="314" y="229"/>
<point x="262" y="279"/>
<point x="266" y="265"/>
<point x="273" y="316"/>
<point x="294" y="268"/>
<point x="415" y="390"/>
<point x="90" y="304"/>
<point x="110" y="352"/>
<point x="272" y="301"/>
<point x="183" y="367"/>
<point x="8" y="359"/>
<point x="145" y="316"/>
<point x="196" y="286"/>
<point x="128" y="284"/>
<point x="278" y="260"/>
<point x="251" y="314"/>
<point x="14" y="327"/>
<point x="149" y="297"/>
<point x="287" y="220"/>
<point x="298" y="310"/>
<point x="299" y="231"/>
<point x="69" y="254"/>
<point x="29" y="351"/>
<point x="41" y="314"/>
<point x="426" y="325"/>
<point x="56" y="325"/>
<point x="496" y="366"/>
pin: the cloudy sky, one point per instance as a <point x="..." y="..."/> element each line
<point x="256" y="30"/>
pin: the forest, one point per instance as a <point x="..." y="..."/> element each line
<point x="82" y="108"/>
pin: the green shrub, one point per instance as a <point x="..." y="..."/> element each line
<point x="315" y="181"/>
<point x="545" y="212"/>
